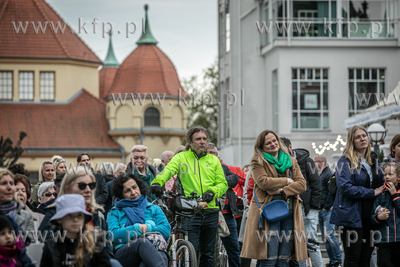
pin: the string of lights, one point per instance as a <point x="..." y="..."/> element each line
<point x="338" y="144"/>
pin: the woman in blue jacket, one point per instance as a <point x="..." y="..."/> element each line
<point x="359" y="181"/>
<point x="386" y="214"/>
<point x="132" y="217"/>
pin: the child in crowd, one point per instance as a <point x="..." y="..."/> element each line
<point x="386" y="213"/>
<point x="11" y="251"/>
<point x="77" y="248"/>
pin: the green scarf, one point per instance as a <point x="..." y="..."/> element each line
<point x="282" y="163"/>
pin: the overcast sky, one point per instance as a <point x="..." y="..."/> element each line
<point x="186" y="30"/>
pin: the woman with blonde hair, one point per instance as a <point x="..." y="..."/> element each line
<point x="60" y="164"/>
<point x="46" y="174"/>
<point x="277" y="176"/>
<point x="10" y="204"/>
<point x="359" y="180"/>
<point x="82" y="182"/>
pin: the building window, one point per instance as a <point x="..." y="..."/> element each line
<point x="356" y="18"/>
<point x="6" y="85"/>
<point x="47" y="86"/>
<point x="308" y="18"/>
<point x="265" y="18"/>
<point x="152" y="117"/>
<point x="363" y="14"/>
<point x="365" y="87"/>
<point x="310" y="98"/>
<point x="26" y="85"/>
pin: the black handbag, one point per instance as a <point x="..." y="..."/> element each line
<point x="185" y="206"/>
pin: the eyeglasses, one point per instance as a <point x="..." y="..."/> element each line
<point x="48" y="194"/>
<point x="82" y="186"/>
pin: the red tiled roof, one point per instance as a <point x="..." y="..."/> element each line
<point x="79" y="124"/>
<point x="146" y="70"/>
<point x="37" y="45"/>
<point x="106" y="78"/>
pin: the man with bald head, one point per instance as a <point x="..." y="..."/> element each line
<point x="166" y="157"/>
<point x="327" y="229"/>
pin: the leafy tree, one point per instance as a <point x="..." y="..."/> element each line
<point x="202" y="107"/>
<point x="9" y="154"/>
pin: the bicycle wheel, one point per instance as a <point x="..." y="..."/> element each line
<point x="223" y="256"/>
<point x="182" y="249"/>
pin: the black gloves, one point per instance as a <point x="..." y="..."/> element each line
<point x="156" y="190"/>
<point x="208" y="196"/>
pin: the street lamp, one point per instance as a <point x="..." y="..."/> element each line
<point x="376" y="134"/>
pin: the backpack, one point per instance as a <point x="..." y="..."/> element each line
<point x="333" y="187"/>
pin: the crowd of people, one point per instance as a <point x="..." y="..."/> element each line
<point x="115" y="204"/>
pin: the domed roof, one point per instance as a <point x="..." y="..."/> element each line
<point x="146" y="70"/>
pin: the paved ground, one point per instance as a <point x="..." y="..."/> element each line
<point x="324" y="260"/>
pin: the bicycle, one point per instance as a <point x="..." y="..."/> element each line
<point x="181" y="250"/>
<point x="222" y="255"/>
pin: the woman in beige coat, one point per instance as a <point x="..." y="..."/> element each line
<point x="271" y="168"/>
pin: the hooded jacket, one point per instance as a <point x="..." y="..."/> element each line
<point x="355" y="197"/>
<point x="311" y="197"/>
<point x="197" y="173"/>
<point x="389" y="228"/>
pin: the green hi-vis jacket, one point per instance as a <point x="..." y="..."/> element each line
<point x="196" y="174"/>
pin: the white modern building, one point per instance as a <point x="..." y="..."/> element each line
<point x="302" y="83"/>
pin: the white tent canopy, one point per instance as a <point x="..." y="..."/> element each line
<point x="379" y="112"/>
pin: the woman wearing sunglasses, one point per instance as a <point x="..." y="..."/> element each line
<point x="79" y="181"/>
<point x="45" y="193"/>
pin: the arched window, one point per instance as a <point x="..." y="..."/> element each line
<point x="152" y="117"/>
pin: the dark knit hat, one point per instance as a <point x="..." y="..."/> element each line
<point x="4" y="222"/>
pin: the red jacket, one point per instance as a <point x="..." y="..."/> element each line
<point x="242" y="179"/>
<point x="250" y="187"/>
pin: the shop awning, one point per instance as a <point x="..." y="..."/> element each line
<point x="380" y="112"/>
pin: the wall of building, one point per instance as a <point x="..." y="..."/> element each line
<point x="128" y="119"/>
<point x="70" y="76"/>
<point x="255" y="72"/>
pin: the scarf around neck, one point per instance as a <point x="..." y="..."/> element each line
<point x="10" y="209"/>
<point x="148" y="177"/>
<point x="8" y="254"/>
<point x="282" y="163"/>
<point x="133" y="208"/>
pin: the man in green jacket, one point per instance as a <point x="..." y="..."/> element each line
<point x="201" y="172"/>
